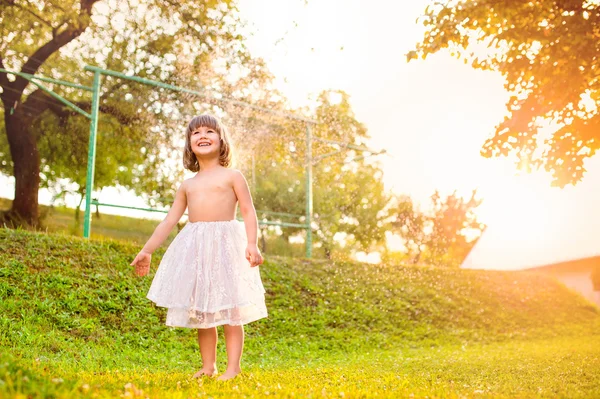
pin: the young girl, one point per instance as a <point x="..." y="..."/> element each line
<point x="209" y="275"/>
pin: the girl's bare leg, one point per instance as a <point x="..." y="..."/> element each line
<point x="234" y="343"/>
<point x="207" y="340"/>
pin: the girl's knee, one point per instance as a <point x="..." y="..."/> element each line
<point x="207" y="331"/>
<point x="229" y="327"/>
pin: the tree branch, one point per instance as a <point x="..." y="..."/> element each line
<point x="35" y="15"/>
<point x="116" y="112"/>
<point x="38" y="101"/>
<point x="44" y="52"/>
<point x="86" y="6"/>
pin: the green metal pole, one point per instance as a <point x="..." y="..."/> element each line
<point x="120" y="75"/>
<point x="61" y="99"/>
<point x="89" y="181"/>
<point x="309" y="192"/>
<point x="29" y="77"/>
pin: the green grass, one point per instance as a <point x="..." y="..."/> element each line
<point x="74" y="322"/>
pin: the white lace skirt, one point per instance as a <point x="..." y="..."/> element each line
<point x="205" y="280"/>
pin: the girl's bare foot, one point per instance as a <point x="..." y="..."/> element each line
<point x="208" y="372"/>
<point x="229" y="374"/>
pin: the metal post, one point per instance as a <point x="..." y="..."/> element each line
<point x="309" y="192"/>
<point x="89" y="181"/>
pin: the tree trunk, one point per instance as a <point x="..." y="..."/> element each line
<point x="418" y="257"/>
<point x="26" y="168"/>
<point x="21" y="140"/>
<point x="78" y="209"/>
<point x="327" y="250"/>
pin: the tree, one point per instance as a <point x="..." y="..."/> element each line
<point x="64" y="154"/>
<point x="453" y="227"/>
<point x="350" y="202"/>
<point x="548" y="53"/>
<point x="411" y="225"/>
<point x="280" y="187"/>
<point x="158" y="39"/>
<point x="21" y="24"/>
<point x="349" y="196"/>
<point x="445" y="234"/>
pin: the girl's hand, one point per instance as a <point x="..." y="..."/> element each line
<point x="142" y="263"/>
<point x="253" y="255"/>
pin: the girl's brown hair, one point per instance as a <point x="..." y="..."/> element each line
<point x="189" y="158"/>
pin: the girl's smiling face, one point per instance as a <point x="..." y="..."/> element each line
<point x="206" y="138"/>
<point x="205" y="141"/>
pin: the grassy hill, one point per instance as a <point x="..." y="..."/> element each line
<point x="74" y="321"/>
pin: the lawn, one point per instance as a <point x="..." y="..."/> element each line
<point x="74" y="322"/>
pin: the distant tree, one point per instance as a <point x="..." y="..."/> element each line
<point x="444" y="235"/>
<point x="280" y="187"/>
<point x="349" y="197"/>
<point x="351" y="203"/>
<point x="454" y="226"/>
<point x="349" y="194"/>
<point x="411" y="225"/>
<point x="548" y="53"/>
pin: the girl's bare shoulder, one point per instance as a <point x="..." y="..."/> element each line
<point x="231" y="174"/>
<point x="234" y="173"/>
<point x="182" y="187"/>
<point x="186" y="182"/>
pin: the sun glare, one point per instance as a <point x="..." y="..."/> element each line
<point x="518" y="197"/>
<point x="530" y="223"/>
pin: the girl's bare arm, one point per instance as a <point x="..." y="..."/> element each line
<point x="242" y="192"/>
<point x="144" y="257"/>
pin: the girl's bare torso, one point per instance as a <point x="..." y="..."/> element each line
<point x="210" y="196"/>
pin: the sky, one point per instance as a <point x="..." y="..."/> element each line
<point x="432" y="116"/>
